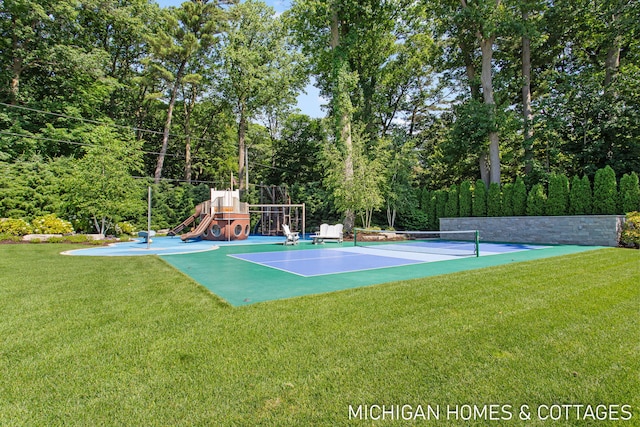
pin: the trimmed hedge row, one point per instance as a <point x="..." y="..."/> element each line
<point x="561" y="196"/>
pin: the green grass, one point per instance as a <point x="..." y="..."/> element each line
<point x="131" y="341"/>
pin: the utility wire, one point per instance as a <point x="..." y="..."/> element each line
<point x="136" y="129"/>
<point x="84" y="144"/>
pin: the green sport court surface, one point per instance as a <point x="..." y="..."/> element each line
<point x="248" y="274"/>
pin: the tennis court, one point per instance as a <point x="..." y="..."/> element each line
<point x="243" y="275"/>
<point x="319" y="262"/>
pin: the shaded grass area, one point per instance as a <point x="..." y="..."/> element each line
<point x="131" y="341"/>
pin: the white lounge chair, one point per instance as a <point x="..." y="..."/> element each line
<point x="331" y="233"/>
<point x="290" y="237"/>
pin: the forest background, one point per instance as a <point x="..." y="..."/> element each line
<point x="426" y="101"/>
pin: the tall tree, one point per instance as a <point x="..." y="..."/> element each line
<point x="186" y="33"/>
<point x="353" y="48"/>
<point x="257" y="67"/>
<point x="483" y="18"/>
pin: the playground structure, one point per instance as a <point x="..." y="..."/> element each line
<point x="275" y="209"/>
<point x="224" y="217"/>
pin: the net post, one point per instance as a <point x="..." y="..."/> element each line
<point x="477" y="242"/>
<point x="355" y="237"/>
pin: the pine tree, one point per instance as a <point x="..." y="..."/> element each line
<point x="479" y="207"/>
<point x="519" y="197"/>
<point x="466" y="199"/>
<point x="507" y="199"/>
<point x="558" y="201"/>
<point x="494" y="200"/>
<point x="451" y="209"/>
<point x="536" y="201"/>
<point x="605" y="193"/>
<point x="629" y="193"/>
<point x="433" y="213"/>
<point x="441" y="206"/>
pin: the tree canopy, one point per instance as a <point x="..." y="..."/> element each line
<point x="419" y="96"/>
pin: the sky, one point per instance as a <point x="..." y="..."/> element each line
<point x="309" y="103"/>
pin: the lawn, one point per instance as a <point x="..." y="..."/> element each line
<point x="131" y="341"/>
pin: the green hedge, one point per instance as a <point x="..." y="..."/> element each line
<point x="536" y="201"/>
<point x="466" y="199"/>
<point x="562" y="196"/>
<point x="629" y="193"/>
<point x="519" y="197"/>
<point x="494" y="200"/>
<point x="451" y="209"/>
<point x="605" y="192"/>
<point x="479" y="205"/>
<point x="558" y="200"/>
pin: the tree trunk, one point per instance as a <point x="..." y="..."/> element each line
<point x="527" y="112"/>
<point x="188" y="109"/>
<point x="242" y="124"/>
<point x="612" y="62"/>
<point x="16" y="66"/>
<point x="343" y="113"/>
<point x="167" y="125"/>
<point x="187" y="159"/>
<point x="484" y="169"/>
<point x="470" y="70"/>
<point x="486" y="45"/>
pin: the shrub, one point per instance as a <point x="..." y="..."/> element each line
<point x="630" y="235"/>
<point x="51" y="224"/>
<point x="629" y="193"/>
<point x="15" y="227"/>
<point x="494" y="200"/>
<point x="558" y="200"/>
<point x="425" y="199"/>
<point x="479" y="204"/>
<point x="10" y="238"/>
<point x="125" y="228"/>
<point x="605" y="192"/>
<point x="441" y="205"/>
<point x="433" y="213"/>
<point x="536" y="201"/>
<point x="519" y="197"/>
<point x="451" y="209"/>
<point x="466" y="199"/>
<point x="507" y="200"/>
<point x="411" y="219"/>
<point x="580" y="196"/>
<point x="78" y="238"/>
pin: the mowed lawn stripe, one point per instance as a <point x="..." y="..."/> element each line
<point x="131" y="341"/>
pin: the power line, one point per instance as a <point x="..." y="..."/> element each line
<point x="149" y="178"/>
<point x="83" y="144"/>
<point x="96" y="122"/>
<point x="155" y="153"/>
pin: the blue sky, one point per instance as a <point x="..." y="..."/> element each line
<point x="308" y="103"/>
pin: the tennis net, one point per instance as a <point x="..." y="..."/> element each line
<point x="454" y="243"/>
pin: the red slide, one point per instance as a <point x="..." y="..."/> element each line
<point x="186" y="222"/>
<point x="201" y="228"/>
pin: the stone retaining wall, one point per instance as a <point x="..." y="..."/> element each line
<point x="591" y="230"/>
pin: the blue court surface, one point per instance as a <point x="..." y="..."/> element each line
<point x="317" y="262"/>
<point x="167" y="246"/>
<point x="262" y="269"/>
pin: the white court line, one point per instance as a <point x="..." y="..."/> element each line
<point x="414" y="256"/>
